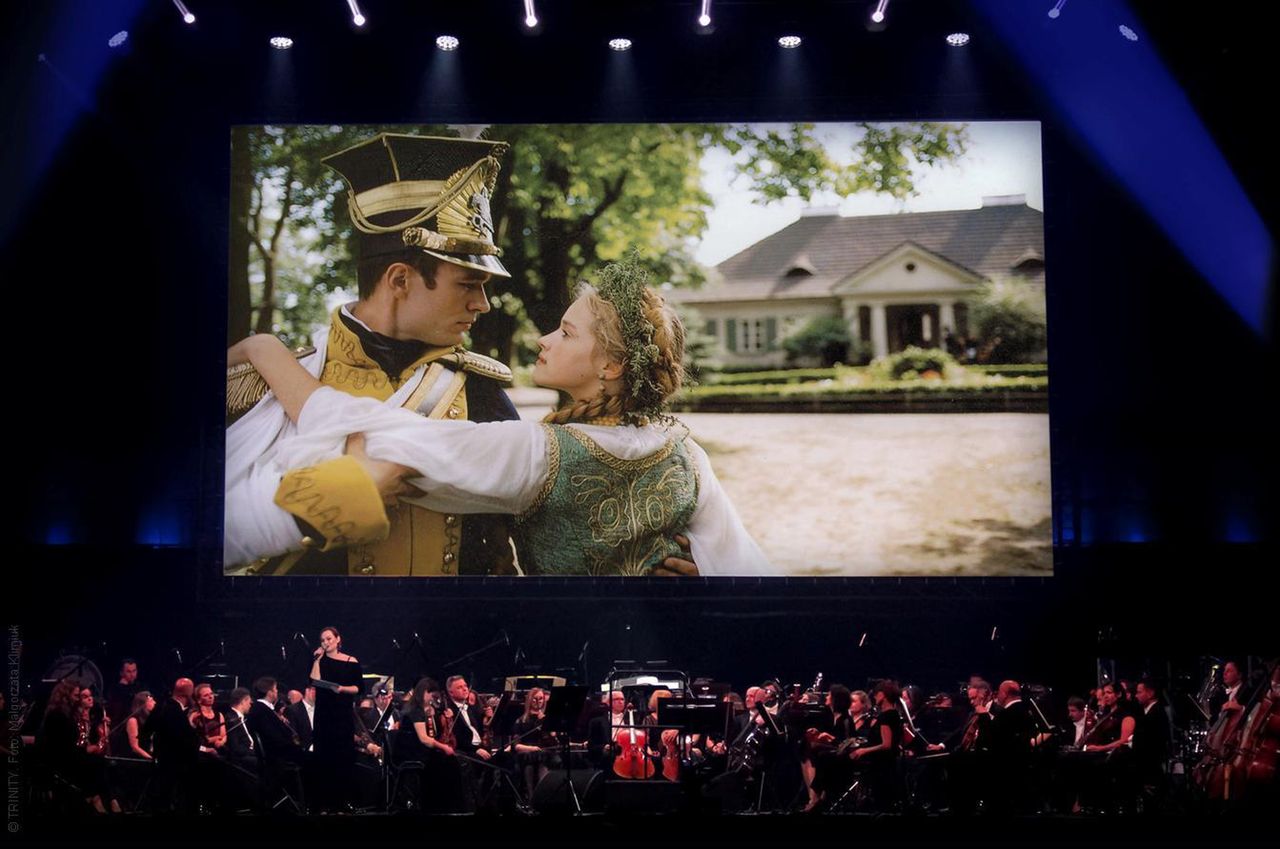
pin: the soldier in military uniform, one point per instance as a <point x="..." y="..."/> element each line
<point x="426" y="254"/>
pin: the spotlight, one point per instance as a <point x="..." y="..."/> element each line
<point x="187" y="17"/>
<point x="704" y="17"/>
<point x="356" y="17"/>
<point x="958" y="39"/>
<point x="1128" y="33"/>
<point x="878" y="15"/>
<point x="1057" y="9"/>
<point x="281" y="42"/>
<point x="530" y="15"/>
<point x="789" y="41"/>
<point x="118" y="39"/>
<point x="447" y="42"/>
<point x="619" y="44"/>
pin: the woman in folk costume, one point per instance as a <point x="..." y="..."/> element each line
<point x="599" y="487"/>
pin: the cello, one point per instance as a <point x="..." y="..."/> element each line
<point x="1255" y="759"/>
<point x="632" y="760"/>
<point x="1213" y="773"/>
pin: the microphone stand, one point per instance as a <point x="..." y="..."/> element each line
<point x="501" y="641"/>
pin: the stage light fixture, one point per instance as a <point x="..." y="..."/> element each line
<point x="530" y="14"/>
<point x="281" y="42"/>
<point x="789" y="41"/>
<point x="1128" y="33"/>
<point x="958" y="39"/>
<point x="447" y="42"/>
<point x="1057" y="9"/>
<point x="187" y="17"/>
<point x="619" y="44"/>
<point x="878" y="15"/>
<point x="118" y="39"/>
<point x="704" y="17"/>
<point x="357" y="17"/>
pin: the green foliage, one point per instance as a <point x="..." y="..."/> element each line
<point x="569" y="198"/>
<point x="794" y="375"/>
<point x="1008" y="315"/>
<point x="825" y="337"/>
<point x="699" y="346"/>
<point x="836" y="389"/>
<point x="912" y="362"/>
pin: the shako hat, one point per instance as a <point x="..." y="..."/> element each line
<point x="424" y="192"/>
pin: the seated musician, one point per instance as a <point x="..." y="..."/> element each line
<point x="530" y="757"/>
<point x="1233" y="695"/>
<point x="826" y="768"/>
<point x="417" y="741"/>
<point x="602" y="731"/>
<point x="1107" y="747"/>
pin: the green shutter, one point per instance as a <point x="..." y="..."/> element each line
<point x="770" y="332"/>
<point x="711" y="328"/>
<point x="731" y="334"/>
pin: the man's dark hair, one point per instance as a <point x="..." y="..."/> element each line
<point x="238" y="695"/>
<point x="1076" y="702"/>
<point x="263" y="686"/>
<point x="126" y="662"/>
<point x="370" y="271"/>
<point x="1150" y="683"/>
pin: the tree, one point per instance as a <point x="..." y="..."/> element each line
<point x="569" y="198"/>
<point x="1009" y="317"/>
<point x="825" y="337"/>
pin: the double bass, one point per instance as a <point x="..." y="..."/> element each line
<point x="1213" y="773"/>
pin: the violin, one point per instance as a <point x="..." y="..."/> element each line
<point x="632" y="760"/>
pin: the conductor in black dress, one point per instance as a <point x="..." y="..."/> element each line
<point x="333" y="735"/>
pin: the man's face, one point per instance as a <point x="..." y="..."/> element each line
<point x="459" y="691"/>
<point x="1144" y="695"/>
<point x="129" y="673"/>
<point x="440" y="316"/>
<point x="1230" y="675"/>
<point x="975" y="696"/>
<point x="382" y="700"/>
<point x="273" y="694"/>
<point x="617" y="703"/>
<point x="242" y="706"/>
<point x="310" y="695"/>
<point x="1075" y="714"/>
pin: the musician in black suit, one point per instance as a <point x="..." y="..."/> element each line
<point x="241" y="753"/>
<point x="1009" y="737"/>
<point x="278" y="740"/>
<point x="468" y="721"/>
<point x="1233" y="694"/>
<point x="176" y="746"/>
<point x="301" y="716"/>
<point x="1151" y="742"/>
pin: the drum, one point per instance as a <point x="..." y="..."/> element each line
<point x="75" y="668"/>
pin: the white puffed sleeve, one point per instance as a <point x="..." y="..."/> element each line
<point x="720" y="544"/>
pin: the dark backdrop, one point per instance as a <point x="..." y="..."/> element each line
<point x="115" y="253"/>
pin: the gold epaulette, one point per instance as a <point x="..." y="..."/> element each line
<point x="479" y="364"/>
<point x="245" y="387"/>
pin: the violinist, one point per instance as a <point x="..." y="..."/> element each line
<point x="1105" y="779"/>
<point x="968" y="747"/>
<point x="467" y="721"/>
<point x="419" y="739"/>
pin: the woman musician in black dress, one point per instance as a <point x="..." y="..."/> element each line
<point x="338" y="678"/>
<point x="530" y="756"/>
<point x="831" y="770"/>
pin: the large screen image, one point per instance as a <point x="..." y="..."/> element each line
<point x="745" y="350"/>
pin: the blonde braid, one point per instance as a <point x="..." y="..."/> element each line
<point x="579" y="411"/>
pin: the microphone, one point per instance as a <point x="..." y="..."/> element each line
<point x="583" y="653"/>
<point x="395" y="644"/>
<point x="302" y="636"/>
<point x="222" y="648"/>
<point x="416" y="638"/>
<point x="506" y="641"/>
<point x="178" y="654"/>
<point x="994" y="630"/>
<point x="284" y="657"/>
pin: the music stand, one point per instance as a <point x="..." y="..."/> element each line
<point x="564" y="706"/>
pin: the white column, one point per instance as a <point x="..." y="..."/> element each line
<point x="850" y="309"/>
<point x="947" y="317"/>
<point x="879" y="331"/>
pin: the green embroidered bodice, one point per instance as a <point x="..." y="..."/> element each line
<point x="599" y="514"/>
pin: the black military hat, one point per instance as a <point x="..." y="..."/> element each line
<point x="425" y="192"/>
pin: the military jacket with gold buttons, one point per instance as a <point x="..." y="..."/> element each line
<point x="455" y="384"/>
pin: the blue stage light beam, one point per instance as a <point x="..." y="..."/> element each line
<point x="1124" y="103"/>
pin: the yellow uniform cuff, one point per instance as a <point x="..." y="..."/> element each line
<point x="338" y="499"/>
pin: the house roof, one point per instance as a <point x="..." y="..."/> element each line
<point x="828" y="248"/>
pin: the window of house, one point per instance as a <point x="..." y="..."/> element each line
<point x="751" y="335"/>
